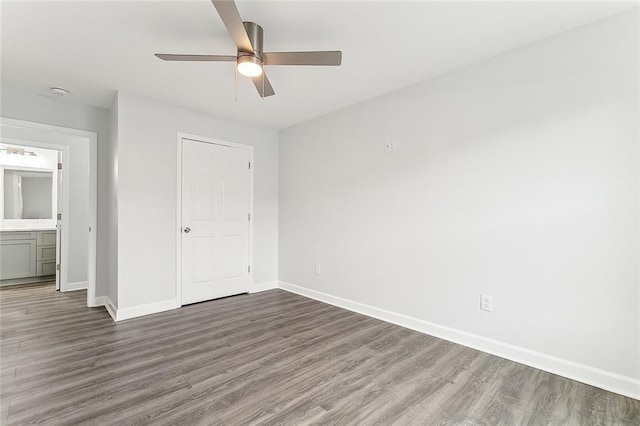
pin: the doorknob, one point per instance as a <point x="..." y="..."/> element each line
<point x="187" y="230"/>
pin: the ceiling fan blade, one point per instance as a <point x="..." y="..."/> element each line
<point x="327" y="58"/>
<point x="258" y="82"/>
<point x="231" y="17"/>
<point x="201" y="58"/>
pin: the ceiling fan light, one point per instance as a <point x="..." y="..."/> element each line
<point x="249" y="66"/>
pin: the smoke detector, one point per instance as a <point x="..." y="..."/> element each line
<point x="59" y="91"/>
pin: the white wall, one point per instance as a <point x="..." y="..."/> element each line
<point x="22" y="106"/>
<point x="112" y="206"/>
<point x="517" y="177"/>
<point x="147" y="197"/>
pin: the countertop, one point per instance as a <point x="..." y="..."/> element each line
<point x="27" y="229"/>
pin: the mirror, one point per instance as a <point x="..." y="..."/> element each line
<point x="28" y="194"/>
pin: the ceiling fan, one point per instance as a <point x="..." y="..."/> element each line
<point x="250" y="58"/>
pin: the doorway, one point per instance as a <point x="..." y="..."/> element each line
<point x="31" y="212"/>
<point x="215" y="192"/>
<point x="77" y="231"/>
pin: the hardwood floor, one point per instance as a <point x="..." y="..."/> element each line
<point x="267" y="358"/>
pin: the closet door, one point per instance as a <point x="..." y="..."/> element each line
<point x="215" y="221"/>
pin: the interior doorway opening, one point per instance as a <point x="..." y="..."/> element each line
<point x="63" y="244"/>
<point x="31" y="211"/>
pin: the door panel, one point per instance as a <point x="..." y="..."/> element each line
<point x="215" y="208"/>
<point x="205" y="197"/>
<point x="231" y="205"/>
<point x="203" y="252"/>
<point x="232" y="256"/>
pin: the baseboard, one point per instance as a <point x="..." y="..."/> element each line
<point x="110" y="307"/>
<point x="606" y="380"/>
<point x="98" y="301"/>
<point x="122" y="314"/>
<point x="269" y="285"/>
<point x="80" y="285"/>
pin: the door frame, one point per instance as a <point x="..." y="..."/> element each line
<point x="92" y="140"/>
<point x="178" y="228"/>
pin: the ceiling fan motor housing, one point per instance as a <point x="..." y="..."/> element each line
<point x="254" y="31"/>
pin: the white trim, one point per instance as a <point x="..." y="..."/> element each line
<point x="93" y="217"/>
<point x="80" y="285"/>
<point x="613" y="382"/>
<point x="122" y="314"/>
<point x="269" y="285"/>
<point x="204" y="139"/>
<point x="92" y="139"/>
<point x="99" y="301"/>
<point x="179" y="220"/>
<point x="109" y="306"/>
<point x="111" y="310"/>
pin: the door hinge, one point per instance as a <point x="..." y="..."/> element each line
<point x="59" y="216"/>
<point x="59" y="166"/>
<point x="249" y="268"/>
<point x="249" y="165"/>
<point x="57" y="267"/>
<point x="249" y="216"/>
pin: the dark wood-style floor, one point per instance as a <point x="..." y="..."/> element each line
<point x="267" y="358"/>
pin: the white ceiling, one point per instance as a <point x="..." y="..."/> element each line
<point x="95" y="48"/>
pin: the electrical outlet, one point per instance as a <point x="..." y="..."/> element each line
<point x="390" y="145"/>
<point x="486" y="302"/>
<point x="317" y="269"/>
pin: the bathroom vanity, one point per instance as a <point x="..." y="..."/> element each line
<point x="26" y="253"/>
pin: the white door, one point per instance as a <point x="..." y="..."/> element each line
<point x="215" y="221"/>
